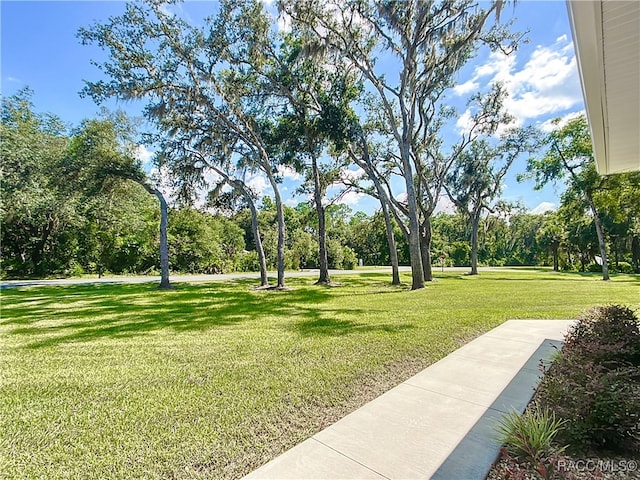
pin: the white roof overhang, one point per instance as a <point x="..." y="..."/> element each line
<point x="606" y="36"/>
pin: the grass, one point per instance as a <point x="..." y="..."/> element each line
<point x="212" y="380"/>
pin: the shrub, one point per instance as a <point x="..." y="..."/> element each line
<point x="595" y="382"/>
<point x="600" y="405"/>
<point x="335" y="253"/>
<point x="623" y="267"/>
<point x="248" y="262"/>
<point x="75" y="269"/>
<point x="606" y="334"/>
<point x="594" y="268"/>
<point x="460" y="253"/>
<point x="291" y="260"/>
<point x="350" y="260"/>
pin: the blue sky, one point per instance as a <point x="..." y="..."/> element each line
<point x="40" y="50"/>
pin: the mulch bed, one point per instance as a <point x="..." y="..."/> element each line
<point x="591" y="465"/>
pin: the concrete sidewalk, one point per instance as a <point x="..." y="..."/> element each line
<point x="437" y="424"/>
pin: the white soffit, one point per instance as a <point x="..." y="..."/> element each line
<point x="606" y="36"/>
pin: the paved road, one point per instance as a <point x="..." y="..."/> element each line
<point x="181" y="278"/>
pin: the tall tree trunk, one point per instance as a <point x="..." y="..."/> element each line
<point x="164" y="245"/>
<point x="262" y="259"/>
<point x="600" y="233"/>
<point x="391" y="240"/>
<point x="264" y="279"/>
<point x="322" y="231"/>
<point x="475" y="223"/>
<point x="281" y="224"/>
<point x="556" y="254"/>
<point x="242" y="189"/>
<point x="384" y="204"/>
<point x="417" y="265"/>
<point x="425" y="250"/>
<point x="281" y="238"/>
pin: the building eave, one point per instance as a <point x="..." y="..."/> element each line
<point x="606" y="36"/>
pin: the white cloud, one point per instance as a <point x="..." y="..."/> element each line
<point x="350" y="198"/>
<point x="550" y="124"/>
<point x="444" y="205"/>
<point x="499" y="67"/>
<point x="543" y="207"/>
<point x="466" y="87"/>
<point x="288" y="172"/>
<point x="464" y="122"/>
<point x="259" y="185"/>
<point x="351" y="175"/>
<point x="145" y="156"/>
<point x="547" y="83"/>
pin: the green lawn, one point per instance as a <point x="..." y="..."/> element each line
<point x="212" y="380"/>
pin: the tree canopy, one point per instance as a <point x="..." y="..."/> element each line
<point x="232" y="98"/>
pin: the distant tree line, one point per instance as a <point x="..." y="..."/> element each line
<point x="65" y="212"/>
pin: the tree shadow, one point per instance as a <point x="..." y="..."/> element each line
<point x="371" y="283"/>
<point x="87" y="312"/>
<point x="336" y="327"/>
<point x="564" y="276"/>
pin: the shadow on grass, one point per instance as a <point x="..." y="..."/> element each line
<point x="564" y="276"/>
<point x="334" y="327"/>
<point x="370" y="283"/>
<point x="55" y="315"/>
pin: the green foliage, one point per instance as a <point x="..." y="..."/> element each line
<point x="367" y="238"/>
<point x="66" y="206"/>
<point x="595" y="383"/>
<point x="594" y="268"/>
<point x="335" y="253"/>
<point x="532" y="436"/>
<point x="248" y="262"/>
<point x="608" y="335"/>
<point x="349" y="259"/>
<point x="459" y="253"/>
<point x="121" y="231"/>
<point x="38" y="210"/>
<point x="523" y="249"/>
<point x="623" y="267"/>
<point x="202" y="243"/>
<point x="304" y="251"/>
<point x="550" y="237"/>
<point x="600" y="404"/>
